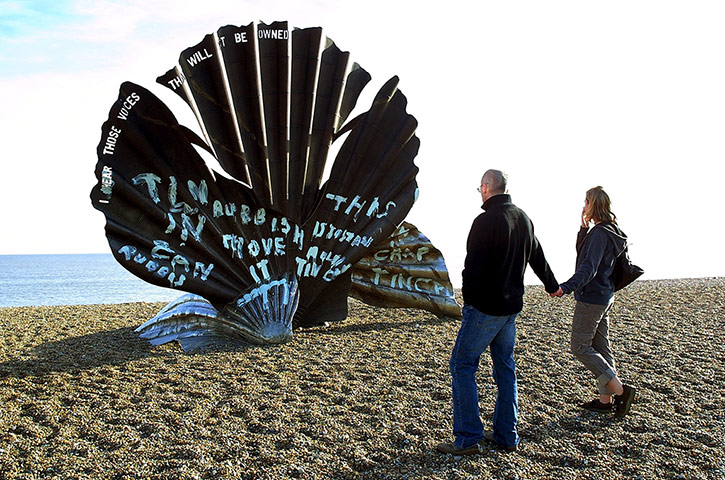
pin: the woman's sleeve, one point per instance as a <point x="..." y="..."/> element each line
<point x="591" y="254"/>
<point x="580" y="238"/>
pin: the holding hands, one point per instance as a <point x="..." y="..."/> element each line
<point x="586" y="220"/>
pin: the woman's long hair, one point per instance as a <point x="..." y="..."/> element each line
<point x="601" y="205"/>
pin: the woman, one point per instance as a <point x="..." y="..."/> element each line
<point x="593" y="290"/>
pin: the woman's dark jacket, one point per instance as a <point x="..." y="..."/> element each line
<point x="596" y="250"/>
<point x="500" y="245"/>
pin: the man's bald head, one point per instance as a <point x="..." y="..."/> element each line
<point x="496" y="180"/>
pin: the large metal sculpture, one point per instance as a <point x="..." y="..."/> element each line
<point x="265" y="245"/>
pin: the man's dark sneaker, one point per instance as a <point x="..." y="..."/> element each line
<point x="488" y="436"/>
<point x="623" y="402"/>
<point x="597" y="406"/>
<point x="453" y="449"/>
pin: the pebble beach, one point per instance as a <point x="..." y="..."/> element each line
<point x="82" y="397"/>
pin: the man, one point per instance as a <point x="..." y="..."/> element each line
<point x="500" y="245"/>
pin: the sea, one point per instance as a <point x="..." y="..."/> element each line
<point x="83" y="279"/>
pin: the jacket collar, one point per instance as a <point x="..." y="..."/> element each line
<point x="496" y="200"/>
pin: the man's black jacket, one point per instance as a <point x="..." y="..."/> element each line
<point x="500" y="245"/>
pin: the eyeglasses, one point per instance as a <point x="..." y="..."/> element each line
<point x="479" y="188"/>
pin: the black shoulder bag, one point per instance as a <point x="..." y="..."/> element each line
<point x="625" y="272"/>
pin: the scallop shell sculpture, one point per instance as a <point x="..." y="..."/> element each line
<point x="264" y="246"/>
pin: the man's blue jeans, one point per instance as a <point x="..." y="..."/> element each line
<point x="477" y="332"/>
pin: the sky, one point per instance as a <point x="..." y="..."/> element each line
<point x="561" y="95"/>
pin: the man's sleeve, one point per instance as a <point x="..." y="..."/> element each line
<point x="541" y="268"/>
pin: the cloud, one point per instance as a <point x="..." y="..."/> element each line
<point x="20" y="18"/>
<point x="81" y="35"/>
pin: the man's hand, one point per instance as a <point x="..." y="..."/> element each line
<point x="557" y="293"/>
